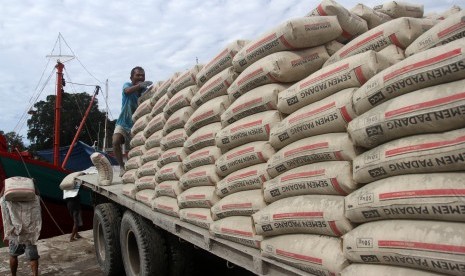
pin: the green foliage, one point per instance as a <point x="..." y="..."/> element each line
<point x="13" y="140"/>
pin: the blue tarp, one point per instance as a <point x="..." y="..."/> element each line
<point x="79" y="159"/>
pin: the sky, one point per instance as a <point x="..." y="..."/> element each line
<point x="109" y="38"/>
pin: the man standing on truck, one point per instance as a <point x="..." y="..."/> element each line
<point x="131" y="93"/>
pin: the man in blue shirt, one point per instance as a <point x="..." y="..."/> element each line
<point x="131" y="93"/>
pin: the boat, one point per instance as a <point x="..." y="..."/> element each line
<point x="49" y="167"/>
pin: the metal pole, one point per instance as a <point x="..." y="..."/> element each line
<point x="106" y="119"/>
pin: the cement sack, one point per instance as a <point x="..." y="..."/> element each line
<point x="174" y="139"/>
<point x="208" y="113"/>
<point x="415" y="154"/>
<point x="452" y="10"/>
<point x="198" y="197"/>
<point x="143" y="109"/>
<point x="197" y="216"/>
<point x="104" y="168"/>
<point x="140" y="124"/>
<point x="255" y="127"/>
<point x="146" y="196"/>
<point x="178" y="119"/>
<point x="260" y="99"/>
<point x="319" y="148"/>
<point x="435" y="66"/>
<point x="243" y="203"/>
<point x="215" y="87"/>
<point x="188" y="78"/>
<point x="324" y="178"/>
<point x="333" y="46"/>
<point x="285" y="66"/>
<point x="137" y="151"/>
<point x="129" y="190"/>
<point x="68" y="183"/>
<point x="238" y="229"/>
<point x="437" y="196"/>
<point x="305" y="214"/>
<point x="220" y="62"/>
<point x="428" y="245"/>
<point x="428" y="110"/>
<point x="201" y="157"/>
<point x="372" y="17"/>
<point x="133" y="163"/>
<point x="172" y="155"/>
<point x="148" y="94"/>
<point x="315" y="254"/>
<point x="393" y="54"/>
<point x="137" y="140"/>
<point x="159" y="105"/>
<point x="383" y="270"/>
<point x="163" y="89"/>
<point x="396" y="9"/>
<point x="202" y="137"/>
<point x="154" y="125"/>
<point x="151" y="155"/>
<point x="297" y="33"/>
<point x="244" y="156"/>
<point x="330" y="115"/>
<point x="146" y="182"/>
<point x="154" y="140"/>
<point x="168" y="188"/>
<point x="148" y="169"/>
<point x="449" y="29"/>
<point x="351" y="24"/>
<point x="200" y="176"/>
<point x="249" y="178"/>
<point x="166" y="205"/>
<point x="129" y="177"/>
<point x="171" y="171"/>
<point x="351" y="72"/>
<point x="181" y="99"/>
<point x="400" y="32"/>
<point x="19" y="188"/>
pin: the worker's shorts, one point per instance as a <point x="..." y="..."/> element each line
<point x="126" y="135"/>
<point x="17" y="249"/>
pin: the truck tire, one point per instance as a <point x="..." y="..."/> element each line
<point x="106" y="225"/>
<point x="143" y="247"/>
<point x="181" y="257"/>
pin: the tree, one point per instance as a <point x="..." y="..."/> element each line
<point x="74" y="106"/>
<point x="13" y="140"/>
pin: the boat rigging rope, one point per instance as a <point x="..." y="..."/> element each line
<point x="43" y="203"/>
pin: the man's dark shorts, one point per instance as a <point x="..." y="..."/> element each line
<point x="17" y="249"/>
<point x="74" y="208"/>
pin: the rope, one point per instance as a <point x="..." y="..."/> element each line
<point x="43" y="203"/>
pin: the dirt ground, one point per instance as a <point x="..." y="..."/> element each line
<point x="59" y="256"/>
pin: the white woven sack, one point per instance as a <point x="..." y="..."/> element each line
<point x="297" y="33"/>
<point x="198" y="197"/>
<point x="372" y="17"/>
<point x="324" y="178"/>
<point x="244" y="156"/>
<point x="243" y="203"/>
<point x="147" y="95"/>
<point x="397" y="9"/>
<point x="129" y="177"/>
<point x="137" y="140"/>
<point x="215" y="87"/>
<point x="435" y="66"/>
<point x="171" y="171"/>
<point x="140" y="124"/>
<point x="333" y="46"/>
<point x="148" y="169"/>
<point x="166" y="205"/>
<point x="152" y="154"/>
<point x="178" y="119"/>
<point x="146" y="182"/>
<point x="330" y="115"/>
<point x="436" y="196"/>
<point x="19" y="188"/>
<point x="104" y="168"/>
<point x="384" y="270"/>
<point x="203" y="137"/>
<point x="184" y="80"/>
<point x="393" y="54"/>
<point x="319" y="148"/>
<point x="424" y="244"/>
<point x="153" y="140"/>
<point x="428" y="110"/>
<point x="68" y="183"/>
<point x="172" y="155"/>
<point x="351" y="72"/>
<point x="159" y="106"/>
<point x="168" y="188"/>
<point x="238" y="229"/>
<point x="255" y="127"/>
<point x="201" y="157"/>
<point x="163" y="89"/>
<point x="146" y="196"/>
<point x="133" y="163"/>
<point x="174" y="139"/>
<point x="249" y="178"/>
<point x="197" y="216"/>
<point x="142" y="109"/>
<point x="181" y="99"/>
<point x="415" y="154"/>
<point x="315" y="254"/>
<point x="208" y="113"/>
<point x="129" y="190"/>
<point x="305" y="214"/>
<point x="199" y="176"/>
<point x="220" y="62"/>
<point x="285" y="66"/>
<point x="136" y="151"/>
<point x="154" y="125"/>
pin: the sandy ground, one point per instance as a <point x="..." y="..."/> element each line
<point x="58" y="256"/>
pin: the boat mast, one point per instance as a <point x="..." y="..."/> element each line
<point x="106" y="119"/>
<point x="59" y="88"/>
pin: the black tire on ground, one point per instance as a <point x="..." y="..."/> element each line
<point x="181" y="257"/>
<point x="143" y="247"/>
<point x="106" y="226"/>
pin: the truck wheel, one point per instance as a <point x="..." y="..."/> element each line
<point x="106" y="225"/>
<point x="143" y="247"/>
<point x="181" y="257"/>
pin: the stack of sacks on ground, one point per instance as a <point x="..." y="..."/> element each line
<point x="411" y="124"/>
